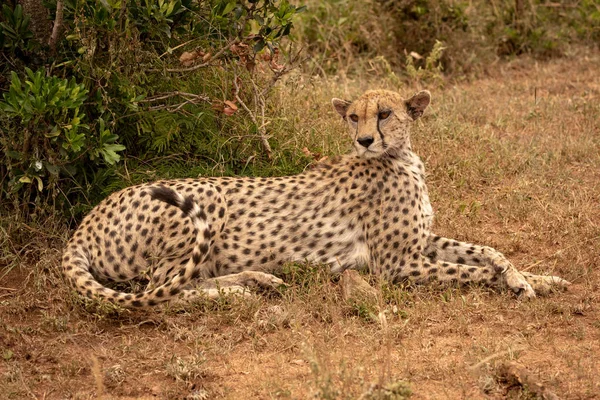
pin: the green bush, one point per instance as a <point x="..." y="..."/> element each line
<point x="14" y="29"/>
<point x="153" y="80"/>
<point x="49" y="138"/>
<point x="180" y="87"/>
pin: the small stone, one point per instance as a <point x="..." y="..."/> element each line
<point x="355" y="288"/>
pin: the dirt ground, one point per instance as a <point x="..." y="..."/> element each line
<point x="513" y="162"/>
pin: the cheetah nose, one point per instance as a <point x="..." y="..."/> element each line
<point x="365" y="141"/>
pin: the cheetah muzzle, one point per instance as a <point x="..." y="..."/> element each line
<point x="200" y="237"/>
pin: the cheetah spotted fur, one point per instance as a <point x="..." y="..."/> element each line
<point x="196" y="237"/>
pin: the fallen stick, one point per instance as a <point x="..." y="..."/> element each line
<point x="481" y="363"/>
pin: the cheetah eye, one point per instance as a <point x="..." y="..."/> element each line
<point x="384" y="114"/>
<point x="354" y="117"/>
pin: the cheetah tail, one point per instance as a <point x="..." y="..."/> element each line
<point x="75" y="261"/>
<point x="189" y="207"/>
<point x="76" y="269"/>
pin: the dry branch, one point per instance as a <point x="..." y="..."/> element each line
<point x="207" y="63"/>
<point x="493" y="356"/>
<point x="259" y="97"/>
<point x="258" y="100"/>
<point x="162" y="96"/>
<point x="294" y="61"/>
<point x="190" y="98"/>
<point x="57" y="26"/>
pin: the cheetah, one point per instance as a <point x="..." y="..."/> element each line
<point x="370" y="210"/>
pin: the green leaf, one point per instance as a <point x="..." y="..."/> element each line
<point x="14" y="155"/>
<point x="109" y="152"/>
<point x="31" y="74"/>
<point x="105" y="4"/>
<point x="228" y="8"/>
<point x="53" y="169"/>
<point x="259" y="46"/>
<point x="15" y="82"/>
<point x="75" y="141"/>
<point x="170" y="8"/>
<point x="40" y="184"/>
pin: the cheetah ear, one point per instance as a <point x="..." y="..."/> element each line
<point x="341" y="106"/>
<point x="416" y="105"/>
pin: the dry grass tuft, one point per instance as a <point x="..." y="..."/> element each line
<point x="187" y="369"/>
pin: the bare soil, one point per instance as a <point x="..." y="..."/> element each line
<point x="514" y="163"/>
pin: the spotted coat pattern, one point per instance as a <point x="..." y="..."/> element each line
<point x="367" y="210"/>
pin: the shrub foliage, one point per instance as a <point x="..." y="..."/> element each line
<point x="124" y="91"/>
<point x="144" y="78"/>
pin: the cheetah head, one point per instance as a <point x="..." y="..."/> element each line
<point x="380" y="120"/>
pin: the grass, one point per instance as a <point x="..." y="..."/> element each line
<point x="513" y="162"/>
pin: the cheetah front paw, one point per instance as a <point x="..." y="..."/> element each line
<point x="545" y="284"/>
<point x="510" y="275"/>
<point x="519" y="284"/>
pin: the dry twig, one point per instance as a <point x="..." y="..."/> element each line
<point x="57" y="26"/>
<point x="259" y="101"/>
<point x="207" y="63"/>
<point x="475" y="367"/>
<point x="259" y="95"/>
<point x="190" y="98"/>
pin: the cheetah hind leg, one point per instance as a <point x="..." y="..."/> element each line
<point x="234" y="284"/>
